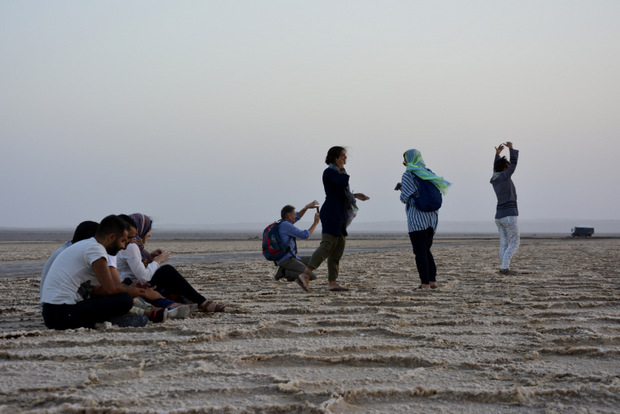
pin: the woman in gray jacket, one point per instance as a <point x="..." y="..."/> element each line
<point x="507" y="211"/>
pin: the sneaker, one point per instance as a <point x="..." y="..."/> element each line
<point x="193" y="307"/>
<point x="159" y="315"/>
<point x="180" y="312"/>
<point x="102" y="326"/>
<point x="507" y="272"/>
<point x="130" y="321"/>
<point x="141" y="303"/>
<point x="276" y="273"/>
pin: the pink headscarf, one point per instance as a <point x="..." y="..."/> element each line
<point x="143" y="223"/>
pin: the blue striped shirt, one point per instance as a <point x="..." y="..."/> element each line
<point x="416" y="220"/>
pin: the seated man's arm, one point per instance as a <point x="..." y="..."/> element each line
<point x="107" y="284"/>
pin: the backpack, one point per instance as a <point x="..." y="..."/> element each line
<point x="273" y="249"/>
<point x="428" y="197"/>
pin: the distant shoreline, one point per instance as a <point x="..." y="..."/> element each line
<point x="46" y="235"/>
<point x="553" y="228"/>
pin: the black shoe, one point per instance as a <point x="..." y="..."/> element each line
<point x="507" y="272"/>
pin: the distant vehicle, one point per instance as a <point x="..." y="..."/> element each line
<point x="582" y="231"/>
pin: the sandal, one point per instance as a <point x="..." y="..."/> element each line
<point x="337" y="288"/>
<point x="211" y="306"/>
<point x="302" y="282"/>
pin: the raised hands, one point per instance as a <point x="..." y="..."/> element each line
<point x="314" y="204"/>
<point x="498" y="150"/>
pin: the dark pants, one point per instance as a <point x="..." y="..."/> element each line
<point x="87" y="313"/>
<point x="292" y="267"/>
<point x="332" y="249"/>
<point x="422" y="241"/>
<point x="170" y="282"/>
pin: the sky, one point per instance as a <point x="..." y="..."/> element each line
<point x="205" y="113"/>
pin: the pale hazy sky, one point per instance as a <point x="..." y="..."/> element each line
<point x="212" y="112"/>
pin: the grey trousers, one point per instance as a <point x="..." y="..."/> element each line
<point x="508" y="239"/>
<point x="293" y="267"/>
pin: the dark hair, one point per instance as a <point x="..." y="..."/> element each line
<point x="333" y="153"/>
<point x="286" y="210"/>
<point x="112" y="224"/>
<point x="128" y="220"/>
<point x="501" y="164"/>
<point x="84" y="230"/>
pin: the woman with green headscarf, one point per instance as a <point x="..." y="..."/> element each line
<point x="421" y="224"/>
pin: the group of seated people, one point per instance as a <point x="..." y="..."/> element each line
<point x="105" y="274"/>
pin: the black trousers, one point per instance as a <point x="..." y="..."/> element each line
<point x="422" y="241"/>
<point x="87" y="313"/>
<point x="170" y="282"/>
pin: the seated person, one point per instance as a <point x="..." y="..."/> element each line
<point x="79" y="290"/>
<point x="152" y="305"/>
<point x="84" y="230"/>
<point x="291" y="265"/>
<point x="138" y="265"/>
<point x="164" y="309"/>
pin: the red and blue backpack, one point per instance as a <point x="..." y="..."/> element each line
<point x="273" y="248"/>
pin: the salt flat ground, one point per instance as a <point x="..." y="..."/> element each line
<point x="546" y="340"/>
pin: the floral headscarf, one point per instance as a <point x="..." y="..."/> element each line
<point x="415" y="164"/>
<point x="143" y="224"/>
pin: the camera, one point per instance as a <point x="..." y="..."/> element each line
<point x="398" y="186"/>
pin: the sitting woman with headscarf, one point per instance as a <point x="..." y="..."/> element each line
<point x="421" y="224"/>
<point x="138" y="265"/>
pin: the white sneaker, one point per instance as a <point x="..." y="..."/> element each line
<point x="180" y="312"/>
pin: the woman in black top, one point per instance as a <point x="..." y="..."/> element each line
<point x="337" y="212"/>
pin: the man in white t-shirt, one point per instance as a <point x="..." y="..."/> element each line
<point x="79" y="290"/>
<point x="84" y="230"/>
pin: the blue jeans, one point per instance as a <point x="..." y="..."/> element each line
<point x="509" y="239"/>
